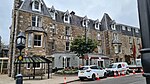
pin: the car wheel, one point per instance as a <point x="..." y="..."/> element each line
<point x="93" y="77"/>
<point x="105" y="75"/>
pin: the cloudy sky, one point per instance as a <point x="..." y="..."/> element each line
<point x="122" y="11"/>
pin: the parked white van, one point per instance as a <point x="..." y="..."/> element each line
<point x="119" y="67"/>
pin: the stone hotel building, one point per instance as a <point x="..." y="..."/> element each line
<point x="49" y="33"/>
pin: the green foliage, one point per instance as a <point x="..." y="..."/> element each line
<point x="81" y="47"/>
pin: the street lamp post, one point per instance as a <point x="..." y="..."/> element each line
<point x="144" y="19"/>
<point x="20" y="45"/>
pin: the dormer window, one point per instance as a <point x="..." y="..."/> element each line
<point x="113" y="27"/>
<point x="97" y="23"/>
<point x="123" y="28"/>
<point x="136" y="30"/>
<point x="85" y="22"/>
<point x="52" y="15"/>
<point x="67" y="17"/>
<point x="129" y="28"/>
<point x="53" y="12"/>
<point x="36" y="5"/>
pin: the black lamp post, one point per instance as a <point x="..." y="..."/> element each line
<point x="144" y="18"/>
<point x="20" y="44"/>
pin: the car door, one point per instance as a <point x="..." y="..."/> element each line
<point x="95" y="70"/>
<point x="100" y="71"/>
<point x="119" y="68"/>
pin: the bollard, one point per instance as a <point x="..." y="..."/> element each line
<point x="19" y="79"/>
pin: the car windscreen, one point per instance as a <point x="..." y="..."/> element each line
<point x="83" y="68"/>
<point x="112" y="66"/>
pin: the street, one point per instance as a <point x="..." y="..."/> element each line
<point x="131" y="79"/>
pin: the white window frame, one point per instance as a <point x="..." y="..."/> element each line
<point x="68" y="18"/>
<point x="115" y="36"/>
<point x="53" y="15"/>
<point x="86" y="23"/>
<point x="113" y="26"/>
<point x="41" y="40"/>
<point x="123" y="28"/>
<point x="116" y="49"/>
<point x="138" y="41"/>
<point x="37" y="23"/>
<point x="33" y="6"/>
<point x="136" y="30"/>
<point x="98" y="36"/>
<point x="130" y="40"/>
<point x="129" y="28"/>
<point x="67" y="32"/>
<point x="53" y="27"/>
<point x="97" y="25"/>
<point x="30" y="37"/>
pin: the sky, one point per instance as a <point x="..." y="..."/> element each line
<point x="122" y="11"/>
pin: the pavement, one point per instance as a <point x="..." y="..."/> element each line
<point x="54" y="79"/>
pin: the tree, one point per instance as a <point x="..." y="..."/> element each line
<point x="80" y="47"/>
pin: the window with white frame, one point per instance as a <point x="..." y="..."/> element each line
<point x="130" y="40"/>
<point x="115" y="36"/>
<point x="98" y="36"/>
<point x="67" y="46"/>
<point x="36" y="21"/>
<point x="123" y="28"/>
<point x="97" y="25"/>
<point x="136" y="30"/>
<point x="30" y="40"/>
<point x="67" y="30"/>
<point x="138" y="41"/>
<point x="37" y="40"/>
<point x="36" y="6"/>
<point x="116" y="49"/>
<point x="53" y="15"/>
<point x="129" y="28"/>
<point x="66" y="18"/>
<point x="85" y="23"/>
<point x="113" y="27"/>
<point x="53" y="29"/>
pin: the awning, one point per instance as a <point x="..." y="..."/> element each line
<point x="36" y="59"/>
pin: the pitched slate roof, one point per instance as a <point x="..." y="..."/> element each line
<point x="27" y="6"/>
<point x="106" y="21"/>
<point x="129" y="33"/>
